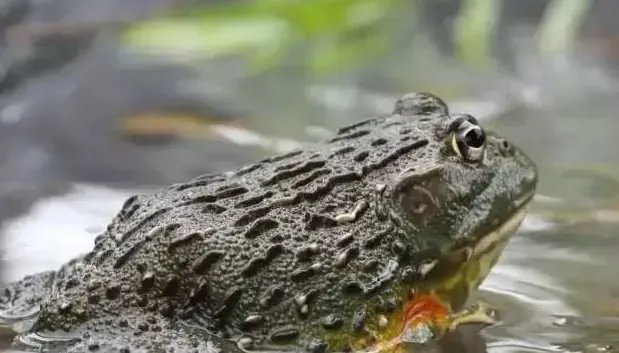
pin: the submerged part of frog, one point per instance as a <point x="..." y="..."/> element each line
<point x="372" y="239"/>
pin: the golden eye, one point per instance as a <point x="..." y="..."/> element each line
<point x="468" y="141"/>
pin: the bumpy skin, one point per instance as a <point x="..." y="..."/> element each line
<point x="301" y="250"/>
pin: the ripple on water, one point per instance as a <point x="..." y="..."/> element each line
<point x="528" y="298"/>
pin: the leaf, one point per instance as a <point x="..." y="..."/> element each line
<point x="206" y="38"/>
<point x="473" y="29"/>
<point x="263" y="31"/>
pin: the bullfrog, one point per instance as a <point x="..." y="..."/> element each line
<point x="369" y="241"/>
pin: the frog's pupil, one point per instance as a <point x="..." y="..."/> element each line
<point x="475" y="138"/>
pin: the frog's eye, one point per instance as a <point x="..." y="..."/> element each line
<point x="468" y="141"/>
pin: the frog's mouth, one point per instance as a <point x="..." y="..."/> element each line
<point x="504" y="230"/>
<point x="463" y="267"/>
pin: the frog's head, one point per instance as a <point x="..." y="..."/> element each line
<point x="464" y="196"/>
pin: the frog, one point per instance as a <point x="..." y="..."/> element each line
<point x="369" y="241"/>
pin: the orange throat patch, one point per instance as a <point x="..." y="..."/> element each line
<point x="419" y="320"/>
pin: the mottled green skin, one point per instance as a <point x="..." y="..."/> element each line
<point x="269" y="251"/>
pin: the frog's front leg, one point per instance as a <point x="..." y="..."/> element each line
<point x="427" y="319"/>
<point x="478" y="313"/>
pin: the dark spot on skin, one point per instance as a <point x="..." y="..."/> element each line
<point x="249" y="169"/>
<point x="349" y="128"/>
<point x="200" y="293"/>
<point x="316" y="221"/>
<point x="147" y="282"/>
<point x="254" y="200"/>
<point x="199" y="200"/>
<point x="203" y="263"/>
<point x="274" y="251"/>
<point x="277" y="238"/>
<point x="251" y="216"/>
<point x="394" y="155"/>
<point x="129" y="201"/>
<point x="232" y="297"/>
<point x="375" y="239"/>
<point x="93" y="299"/>
<point x="287" y="166"/>
<point x="166" y="310"/>
<point x="284" y="156"/>
<point x="202" y="180"/>
<point x="284" y="335"/>
<point x="252" y="267"/>
<point x="185" y="240"/>
<point x="361" y="156"/>
<point x="305" y="254"/>
<point x="303" y="274"/>
<point x="231" y="193"/>
<point x="378" y="142"/>
<point x="313" y="176"/>
<point x="259" y="227"/>
<point x="172" y="227"/>
<point x="124" y="257"/>
<point x="171" y="286"/>
<point x="370" y="266"/>
<point x="342" y="151"/>
<point x="112" y="291"/>
<point x="346" y="256"/>
<point x="352" y="288"/>
<point x="345" y="240"/>
<point x="351" y="136"/>
<point x="71" y="283"/>
<point x="288" y="174"/>
<point x="213" y="209"/>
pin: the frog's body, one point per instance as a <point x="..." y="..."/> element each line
<point x="317" y="250"/>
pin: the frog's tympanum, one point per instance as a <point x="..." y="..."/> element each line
<point x="366" y="242"/>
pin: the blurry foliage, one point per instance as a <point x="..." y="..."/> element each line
<point x="560" y="25"/>
<point x="473" y="30"/>
<point x="334" y="33"/>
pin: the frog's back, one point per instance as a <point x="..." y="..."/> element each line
<point x="263" y="249"/>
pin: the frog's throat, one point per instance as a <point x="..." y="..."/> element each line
<point x="450" y="290"/>
<point x="458" y="285"/>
